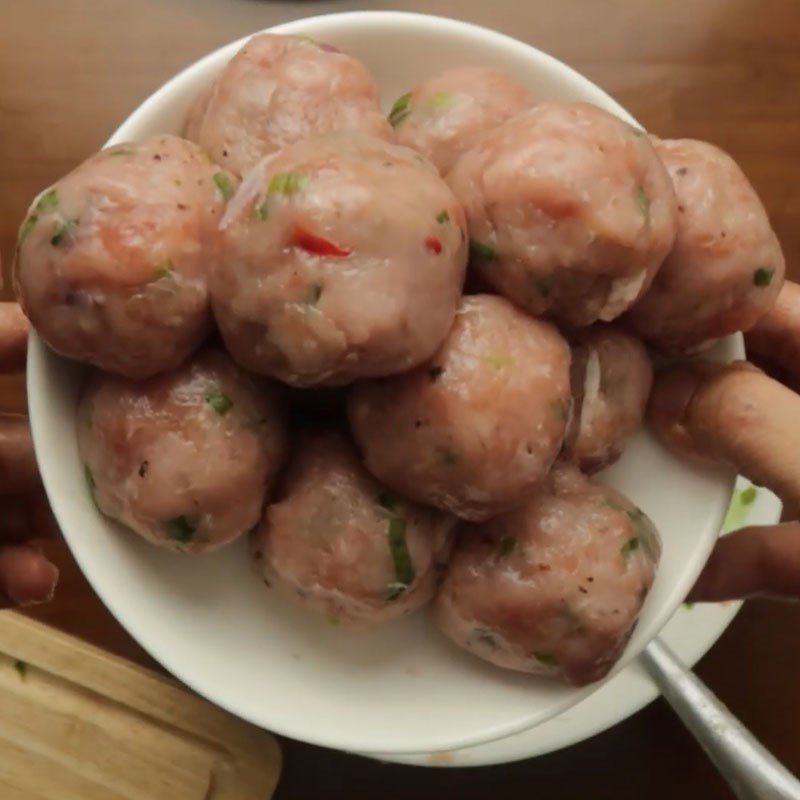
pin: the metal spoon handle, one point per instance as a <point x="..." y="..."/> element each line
<point x="751" y="770"/>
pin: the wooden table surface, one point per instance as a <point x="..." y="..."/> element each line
<point x="723" y="70"/>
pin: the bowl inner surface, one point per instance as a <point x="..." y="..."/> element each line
<point x="209" y="620"/>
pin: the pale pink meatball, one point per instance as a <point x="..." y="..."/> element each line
<point x="726" y="268"/>
<point x="113" y="261"/>
<point x="196" y="114"/>
<point x="278" y="90"/>
<point x="611" y="380"/>
<point x="341" y="257"/>
<point x="444" y="116"/>
<point x="555" y="587"/>
<point x="478" y="427"/>
<point x="569" y="209"/>
<point x="340" y="544"/>
<point x="185" y="459"/>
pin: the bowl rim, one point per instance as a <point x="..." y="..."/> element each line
<point x="355" y="19"/>
<point x="37" y="367"/>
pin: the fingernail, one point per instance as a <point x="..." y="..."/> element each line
<point x="49" y="583"/>
<point x="54" y="576"/>
<point x="673" y="392"/>
<point x="668" y="408"/>
<point x="683" y="387"/>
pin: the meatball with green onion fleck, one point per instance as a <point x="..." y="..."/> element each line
<point x="342" y="545"/>
<point x="341" y="257"/>
<point x="113" y="260"/>
<point x="444" y="116"/>
<point x="727" y="266"/>
<point x="278" y="90"/>
<point x="611" y="381"/>
<point x="570" y="211"/>
<point x="555" y="587"/>
<point x="477" y="428"/>
<point x="184" y="459"/>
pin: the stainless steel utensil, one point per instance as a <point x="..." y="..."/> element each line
<point x="749" y="768"/>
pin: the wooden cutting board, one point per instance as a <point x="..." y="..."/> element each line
<point x="77" y="723"/>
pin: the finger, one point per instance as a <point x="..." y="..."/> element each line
<point x="752" y="561"/>
<point x="732" y="414"/>
<point x="26" y="576"/>
<point x="23" y="518"/>
<point x="18" y="471"/>
<point x="13" y="337"/>
<point x="667" y="410"/>
<point x="776" y="337"/>
<point x="673" y="394"/>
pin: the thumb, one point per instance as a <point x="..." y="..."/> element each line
<point x="733" y="414"/>
<point x="26" y="576"/>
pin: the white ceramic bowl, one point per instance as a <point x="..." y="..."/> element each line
<point x="403" y="689"/>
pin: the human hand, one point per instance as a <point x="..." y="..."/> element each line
<point x="26" y="576"/>
<point x="738" y="415"/>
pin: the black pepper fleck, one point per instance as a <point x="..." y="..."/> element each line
<point x="143" y="468"/>
<point x="435" y="372"/>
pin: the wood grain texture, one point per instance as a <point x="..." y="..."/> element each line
<point x="81" y="724"/>
<point x="724" y="70"/>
